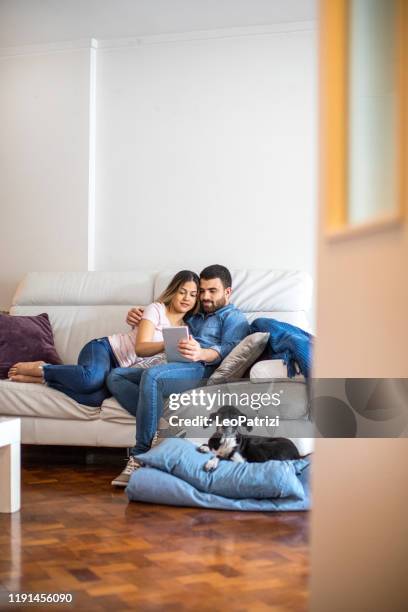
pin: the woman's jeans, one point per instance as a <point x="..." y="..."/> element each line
<point x="142" y="391"/>
<point x="84" y="382"/>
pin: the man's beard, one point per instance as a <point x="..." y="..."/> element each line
<point x="214" y="305"/>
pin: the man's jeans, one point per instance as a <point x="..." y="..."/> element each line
<point x="141" y="392"/>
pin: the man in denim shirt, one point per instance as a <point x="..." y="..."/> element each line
<point x="216" y="330"/>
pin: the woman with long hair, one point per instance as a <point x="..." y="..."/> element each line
<point x="142" y="347"/>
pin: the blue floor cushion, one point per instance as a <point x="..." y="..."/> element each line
<point x="174" y="474"/>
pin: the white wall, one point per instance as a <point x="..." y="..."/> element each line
<point x="44" y="153"/>
<point x="205" y="152"/>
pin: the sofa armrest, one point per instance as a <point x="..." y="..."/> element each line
<point x="269" y="369"/>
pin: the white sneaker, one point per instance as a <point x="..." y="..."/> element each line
<point x="155" y="440"/>
<point x="123" y="478"/>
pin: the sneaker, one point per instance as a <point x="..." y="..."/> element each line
<point x="155" y="440"/>
<point x="123" y="478"/>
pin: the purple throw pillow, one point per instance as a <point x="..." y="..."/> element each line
<point x="26" y="339"/>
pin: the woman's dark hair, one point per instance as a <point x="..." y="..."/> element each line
<point x="180" y="279"/>
<point x="217" y="271"/>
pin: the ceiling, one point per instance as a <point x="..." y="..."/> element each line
<point x="25" y="22"/>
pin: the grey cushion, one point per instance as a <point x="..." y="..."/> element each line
<point x="234" y="366"/>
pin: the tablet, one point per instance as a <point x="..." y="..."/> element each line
<point x="172" y="336"/>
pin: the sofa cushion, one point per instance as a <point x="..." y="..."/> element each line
<point x="83" y="305"/>
<point x="25" y="339"/>
<point x="29" y="399"/>
<point x="85" y="288"/>
<point x="111" y="410"/>
<point x="284" y="295"/>
<point x="234" y="366"/>
<point x="261" y="290"/>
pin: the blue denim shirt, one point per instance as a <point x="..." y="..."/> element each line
<point x="221" y="330"/>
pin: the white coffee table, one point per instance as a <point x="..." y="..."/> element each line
<point x="9" y="464"/>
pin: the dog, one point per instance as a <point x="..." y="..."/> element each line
<point x="228" y="443"/>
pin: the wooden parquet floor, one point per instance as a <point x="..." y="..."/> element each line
<point x="77" y="534"/>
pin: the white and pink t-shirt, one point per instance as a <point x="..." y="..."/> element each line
<point x="123" y="345"/>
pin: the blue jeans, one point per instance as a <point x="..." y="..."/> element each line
<point x="84" y="382"/>
<point x="141" y="392"/>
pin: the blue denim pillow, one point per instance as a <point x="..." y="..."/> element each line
<point x="271" y="479"/>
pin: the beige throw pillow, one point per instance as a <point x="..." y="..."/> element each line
<point x="234" y="366"/>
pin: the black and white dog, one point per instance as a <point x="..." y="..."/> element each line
<point x="228" y="443"/>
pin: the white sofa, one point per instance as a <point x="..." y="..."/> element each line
<point x="87" y="305"/>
